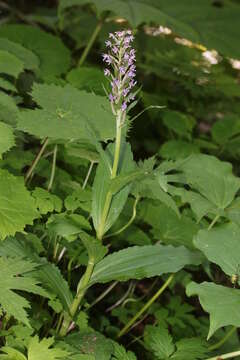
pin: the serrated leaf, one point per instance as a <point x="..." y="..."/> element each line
<point x="88" y="78"/>
<point x="29" y="59"/>
<point x="46" y="202"/>
<point x="102" y="185"/>
<point x="96" y="251"/>
<point x="121" y="354"/>
<point x="8" y="109"/>
<point x="78" y="199"/>
<point x="67" y="225"/>
<point x="48" y="274"/>
<point x="221" y="246"/>
<point x="10" y="64"/>
<point x="53" y="55"/>
<point x="159" y="341"/>
<point x="11" y="302"/>
<point x="190" y="349"/>
<point x="140" y="262"/>
<point x="225" y="311"/>
<point x="17" y="207"/>
<point x="42" y="350"/>
<point x="11" y="353"/>
<point x="66" y="112"/>
<point x="7" y="138"/>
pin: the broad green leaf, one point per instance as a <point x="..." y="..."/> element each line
<point x="216" y="183"/>
<point x="96" y="251"/>
<point x="179" y="123"/>
<point x="48" y="274"/>
<point x="65" y="114"/>
<point x="8" y="109"/>
<point x="43" y="349"/>
<point x="53" y="55"/>
<point x="101" y="187"/>
<point x="90" y="343"/>
<point x="7" y="85"/>
<point x="190" y="349"/>
<point x="222" y="303"/>
<point x="167" y="226"/>
<point x="79" y="199"/>
<point x="221" y="245"/>
<point x="46" y="202"/>
<point x="29" y="59"/>
<point x="88" y="78"/>
<point x="178" y="149"/>
<point x="11" y="354"/>
<point x="67" y="225"/>
<point x="10" y="64"/>
<point x="17" y="207"/>
<point x="7" y="138"/>
<point x="159" y="341"/>
<point x="219" y="30"/>
<point x="140" y="262"/>
<point x="223" y="130"/>
<point x="121" y="354"/>
<point x="10" y="280"/>
<point x="233" y="211"/>
<point x="82" y="150"/>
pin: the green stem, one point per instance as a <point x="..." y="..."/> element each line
<point x="53" y="168"/>
<point x="128" y="223"/>
<point x="108" y="200"/>
<point x="82" y="287"/>
<point x="126" y="328"/>
<point x="90" y="43"/>
<point x="36" y="160"/>
<point x="214" y="222"/>
<point x="88" y="174"/>
<point x="103" y="294"/>
<point x="223" y="340"/>
<point x="225" y="356"/>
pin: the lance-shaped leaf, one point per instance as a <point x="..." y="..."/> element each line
<point x="224" y="311"/>
<point x="17" y="207"/>
<point x="13" y="278"/>
<point x="221" y="245"/>
<point x="65" y="114"/>
<point x="140" y="262"/>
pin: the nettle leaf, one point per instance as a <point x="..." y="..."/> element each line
<point x="121" y="354"/>
<point x="216" y="186"/>
<point x="88" y="78"/>
<point x="10" y="280"/>
<point x="140" y="262"/>
<point x="42" y="350"/>
<point x="186" y="18"/>
<point x="48" y="274"/>
<point x="53" y="55"/>
<point x="46" y="202"/>
<point x="221" y="246"/>
<point x="17" y="207"/>
<point x="225" y="311"/>
<point x="79" y="199"/>
<point x="190" y="349"/>
<point x="10" y="64"/>
<point x="65" y="113"/>
<point x="67" y="225"/>
<point x="8" y="109"/>
<point x="29" y="59"/>
<point x="159" y="341"/>
<point x="167" y="226"/>
<point x="102" y="184"/>
<point x="7" y="139"/>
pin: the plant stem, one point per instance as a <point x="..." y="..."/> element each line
<point x="225" y="356"/>
<point x="82" y="287"/>
<point x="128" y="223"/>
<point x="101" y="228"/>
<point x="214" y="222"/>
<point x="88" y="174"/>
<point x="103" y="294"/>
<point x="223" y="340"/>
<point x="90" y="43"/>
<point x="53" y="168"/>
<point x="127" y="327"/>
<point x="36" y="160"/>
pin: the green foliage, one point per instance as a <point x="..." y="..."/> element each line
<point x="11" y="302"/>
<point x="7" y="140"/>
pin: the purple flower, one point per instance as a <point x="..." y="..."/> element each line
<point x="122" y="70"/>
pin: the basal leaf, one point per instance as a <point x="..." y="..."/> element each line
<point x="10" y="64"/>
<point x="222" y="303"/>
<point x="7" y="138"/>
<point x="53" y="55"/>
<point x="12" y="303"/>
<point x="17" y="207"/>
<point x="66" y="112"/>
<point x="140" y="262"/>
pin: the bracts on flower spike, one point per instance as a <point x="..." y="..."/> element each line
<point x="121" y="71"/>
